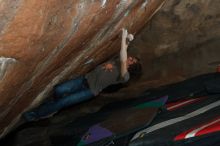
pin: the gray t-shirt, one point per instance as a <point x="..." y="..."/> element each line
<point x="99" y="78"/>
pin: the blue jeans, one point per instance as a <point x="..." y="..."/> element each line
<point x="68" y="93"/>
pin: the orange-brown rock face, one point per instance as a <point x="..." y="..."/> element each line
<point x="45" y="42"/>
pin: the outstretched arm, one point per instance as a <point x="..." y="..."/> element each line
<point x="123" y="52"/>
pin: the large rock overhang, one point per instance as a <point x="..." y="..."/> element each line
<point x="45" y="42"/>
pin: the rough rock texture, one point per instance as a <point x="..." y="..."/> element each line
<point x="45" y="42"/>
<point x="182" y="40"/>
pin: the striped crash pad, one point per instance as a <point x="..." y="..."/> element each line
<point x="186" y="122"/>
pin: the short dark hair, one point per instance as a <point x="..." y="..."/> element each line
<point x="135" y="70"/>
